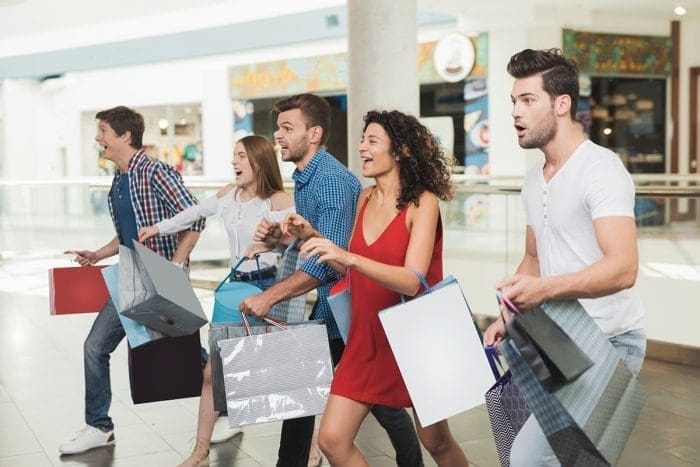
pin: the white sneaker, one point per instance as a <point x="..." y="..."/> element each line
<point x="222" y="432"/>
<point x="86" y="439"/>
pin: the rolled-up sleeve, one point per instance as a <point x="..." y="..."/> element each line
<point x="171" y="190"/>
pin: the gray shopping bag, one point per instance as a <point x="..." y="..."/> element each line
<point x="588" y="421"/>
<point x="292" y="310"/>
<point x="156" y="293"/>
<point x="277" y="375"/>
<point x="222" y="331"/>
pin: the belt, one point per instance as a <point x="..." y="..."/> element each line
<point x="264" y="273"/>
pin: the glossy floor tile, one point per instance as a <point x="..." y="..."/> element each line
<point x="41" y="403"/>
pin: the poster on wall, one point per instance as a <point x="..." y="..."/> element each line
<point x="242" y="118"/>
<point x="476" y="126"/>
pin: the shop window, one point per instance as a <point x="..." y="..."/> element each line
<point x="627" y="115"/>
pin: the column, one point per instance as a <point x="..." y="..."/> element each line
<point x="382" y="68"/>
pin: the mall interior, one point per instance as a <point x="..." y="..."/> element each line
<point x="205" y="73"/>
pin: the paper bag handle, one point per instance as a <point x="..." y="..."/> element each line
<point x="271" y="321"/>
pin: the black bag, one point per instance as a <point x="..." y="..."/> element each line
<point x="165" y="369"/>
<point x="548" y="350"/>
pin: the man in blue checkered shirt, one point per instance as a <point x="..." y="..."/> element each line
<point x="325" y="194"/>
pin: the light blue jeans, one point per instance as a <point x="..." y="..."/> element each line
<point x="531" y="448"/>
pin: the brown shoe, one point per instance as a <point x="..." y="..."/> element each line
<point x="199" y="456"/>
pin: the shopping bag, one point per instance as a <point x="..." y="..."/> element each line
<point x="589" y="420"/>
<point x="506" y="407"/>
<point x="341" y="307"/>
<point x="292" y="310"/>
<point x="136" y="333"/>
<point x="157" y="293"/>
<point x="229" y="295"/>
<point x="277" y="375"/>
<point x="76" y="290"/>
<point x="230" y="330"/>
<point x="166" y="369"/>
<point x="551" y="354"/>
<point x="439" y="352"/>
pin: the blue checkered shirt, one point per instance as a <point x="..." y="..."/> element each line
<point x="325" y="194"/>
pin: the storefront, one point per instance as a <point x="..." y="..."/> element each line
<point x="255" y="87"/>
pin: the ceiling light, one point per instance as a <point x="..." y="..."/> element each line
<point x="607" y="131"/>
<point x="163" y="124"/>
<point x="679" y="10"/>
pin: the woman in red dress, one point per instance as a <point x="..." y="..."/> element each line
<point x="397" y="231"/>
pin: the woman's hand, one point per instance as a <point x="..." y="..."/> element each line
<point x="147" y="232"/>
<point x="297" y="226"/>
<point x="256" y="249"/>
<point x="327" y="251"/>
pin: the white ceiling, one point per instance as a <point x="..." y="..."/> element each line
<point x="21" y="21"/>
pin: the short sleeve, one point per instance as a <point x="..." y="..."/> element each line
<point x="609" y="189"/>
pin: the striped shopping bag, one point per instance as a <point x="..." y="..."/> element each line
<point x="589" y="420"/>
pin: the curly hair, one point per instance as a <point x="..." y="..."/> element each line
<point x="422" y="162"/>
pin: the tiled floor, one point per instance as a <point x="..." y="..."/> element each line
<point x="41" y="402"/>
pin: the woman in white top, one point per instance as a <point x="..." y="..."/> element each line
<point x="257" y="191"/>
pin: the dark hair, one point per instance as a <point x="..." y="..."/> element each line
<point x="123" y="119"/>
<point x="315" y="109"/>
<point x="422" y="163"/>
<point x="559" y="73"/>
<point x="263" y="161"/>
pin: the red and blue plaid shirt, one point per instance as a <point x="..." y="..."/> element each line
<point x="157" y="192"/>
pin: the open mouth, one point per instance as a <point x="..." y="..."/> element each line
<point x="237" y="172"/>
<point x="519" y="129"/>
<point x="366" y="160"/>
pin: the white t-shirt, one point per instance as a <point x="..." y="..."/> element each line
<point x="240" y="218"/>
<point x="592" y="184"/>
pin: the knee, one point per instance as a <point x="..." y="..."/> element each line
<point x="333" y="444"/>
<point x="92" y="348"/>
<point x="437" y="439"/>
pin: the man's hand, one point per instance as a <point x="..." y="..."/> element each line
<point x="267" y="232"/>
<point x="495" y="333"/>
<point x="84" y="257"/>
<point x="257" y="305"/>
<point x="524" y="291"/>
<point x="297" y="226"/>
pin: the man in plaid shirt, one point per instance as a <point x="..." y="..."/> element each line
<point x="144" y="191"/>
<point x="325" y="194"/>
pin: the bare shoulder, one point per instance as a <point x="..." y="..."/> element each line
<point x="427" y="202"/>
<point x="281" y="200"/>
<point x="226" y="190"/>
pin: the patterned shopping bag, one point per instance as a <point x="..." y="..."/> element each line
<point x="507" y="408"/>
<point x="588" y="421"/>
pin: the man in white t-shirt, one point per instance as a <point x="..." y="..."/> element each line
<point x="581" y="238"/>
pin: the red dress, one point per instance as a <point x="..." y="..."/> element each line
<point x="368" y="372"/>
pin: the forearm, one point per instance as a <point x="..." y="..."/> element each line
<point x="186" y="241"/>
<point x="602" y="278"/>
<point x="110" y="249"/>
<point x="297" y="284"/>
<point x="529" y="265"/>
<point x="397" y="278"/>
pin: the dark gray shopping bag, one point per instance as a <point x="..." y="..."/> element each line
<point x="157" y="293"/>
<point x="589" y="420"/>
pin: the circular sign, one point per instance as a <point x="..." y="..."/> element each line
<point x="454" y="57"/>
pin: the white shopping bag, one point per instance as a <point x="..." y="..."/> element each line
<point x="439" y="353"/>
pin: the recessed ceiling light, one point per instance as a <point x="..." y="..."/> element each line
<point x="679" y="10"/>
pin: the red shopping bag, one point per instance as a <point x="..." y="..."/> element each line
<point x="77" y="290"/>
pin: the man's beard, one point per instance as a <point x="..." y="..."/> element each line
<point x="298" y="152"/>
<point x="541" y="135"/>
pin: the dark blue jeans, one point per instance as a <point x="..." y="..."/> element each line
<point x="106" y="333"/>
